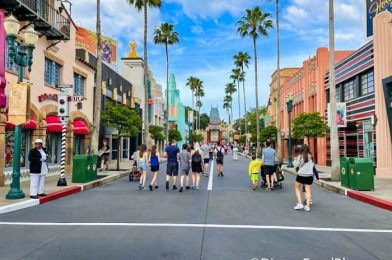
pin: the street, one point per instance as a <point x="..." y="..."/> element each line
<point x="230" y="221"/>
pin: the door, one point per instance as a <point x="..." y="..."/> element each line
<point x="351" y="145"/>
<point x="368" y="139"/>
<point x="125" y="149"/>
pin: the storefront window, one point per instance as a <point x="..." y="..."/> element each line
<point x="368" y="139"/>
<point x="52" y="72"/>
<point x="78" y="147"/>
<point x="338" y="93"/>
<point x="79" y="85"/>
<point x="367" y="83"/>
<point x="125" y="148"/>
<point x="9" y="148"/>
<point x="349" y="90"/>
<point x="114" y="147"/>
<point x="53" y="147"/>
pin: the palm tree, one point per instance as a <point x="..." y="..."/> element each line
<point x="199" y="93"/>
<point x="237" y="76"/>
<point x="241" y="60"/>
<point x="167" y="36"/>
<point x="254" y="24"/>
<point x="192" y="83"/>
<point x="227" y="101"/>
<point x="230" y="90"/>
<point x="142" y="5"/>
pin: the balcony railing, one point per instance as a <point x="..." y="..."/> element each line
<point x="46" y="19"/>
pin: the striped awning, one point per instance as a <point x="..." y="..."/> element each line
<point x="80" y="128"/>
<point x="53" y="124"/>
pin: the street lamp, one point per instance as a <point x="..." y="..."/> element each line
<point x="289" y="102"/>
<point x="23" y="57"/>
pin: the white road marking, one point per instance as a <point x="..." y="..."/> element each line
<point x="198" y="226"/>
<point x="211" y="177"/>
<point x="19" y="205"/>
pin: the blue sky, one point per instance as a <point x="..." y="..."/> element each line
<point x="208" y="38"/>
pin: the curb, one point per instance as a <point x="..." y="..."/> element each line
<point x="61" y="193"/>
<point x="384" y="204"/>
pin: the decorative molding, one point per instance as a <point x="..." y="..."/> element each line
<point x="52" y="57"/>
<point x="80" y="72"/>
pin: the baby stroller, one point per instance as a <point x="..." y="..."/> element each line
<point x="278" y="177"/>
<point x="135" y="173"/>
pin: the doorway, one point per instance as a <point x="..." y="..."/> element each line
<point x="351" y="145"/>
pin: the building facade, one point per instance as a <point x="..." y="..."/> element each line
<point x="176" y="110"/>
<point x="55" y="70"/>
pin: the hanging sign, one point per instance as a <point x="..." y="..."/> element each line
<point x="341" y="114"/>
<point x="19" y="103"/>
<point x="374" y="7"/>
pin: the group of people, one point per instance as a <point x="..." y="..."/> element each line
<point x="304" y="166"/>
<point x="193" y="159"/>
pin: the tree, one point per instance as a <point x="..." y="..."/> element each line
<point x="192" y="83"/>
<point x="142" y="5"/>
<point x="237" y="76"/>
<point x="270" y="133"/>
<point x="241" y="60"/>
<point x="254" y="24"/>
<point x="167" y="36"/>
<point x="227" y="101"/>
<point x="197" y="138"/>
<point x="204" y="121"/>
<point x="307" y="125"/>
<point x="199" y="104"/>
<point x="156" y="133"/>
<point x="242" y="139"/>
<point x="175" y="134"/>
<point x="199" y="93"/>
<point x="230" y="90"/>
<point x="126" y="121"/>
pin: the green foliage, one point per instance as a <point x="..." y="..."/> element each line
<point x="156" y="132"/>
<point x="175" y="134"/>
<point x="138" y="4"/>
<point x="309" y="125"/>
<point x="204" y="121"/>
<point x="197" y="137"/>
<point x="165" y="34"/>
<point x="270" y="133"/>
<point x="242" y="139"/>
<point x="119" y="117"/>
<point x="255" y="23"/>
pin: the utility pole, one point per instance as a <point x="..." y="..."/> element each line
<point x="98" y="85"/>
<point x="334" y="137"/>
<point x="278" y="89"/>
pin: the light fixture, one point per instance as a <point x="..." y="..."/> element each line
<point x="11" y="25"/>
<point x="30" y="36"/>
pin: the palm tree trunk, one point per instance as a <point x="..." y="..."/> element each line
<point x="243" y="93"/>
<point x="335" y="154"/>
<point x="239" y="104"/>
<point x="145" y="75"/>
<point x="98" y="86"/>
<point x="231" y="109"/>
<point x="193" y="110"/>
<point x="278" y="104"/>
<point x="257" y="100"/>
<point x="167" y="95"/>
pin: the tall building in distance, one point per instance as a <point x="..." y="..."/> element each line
<point x="176" y="110"/>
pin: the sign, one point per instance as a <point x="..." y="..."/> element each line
<point x="341" y="114"/>
<point x="86" y="39"/>
<point x="3" y="99"/>
<point x="43" y="97"/>
<point x="215" y="136"/>
<point x="374" y="7"/>
<point x="76" y="98"/>
<point x="236" y="137"/>
<point x="150" y="101"/>
<point x="19" y="103"/>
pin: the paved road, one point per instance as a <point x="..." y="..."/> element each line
<point x="229" y="222"/>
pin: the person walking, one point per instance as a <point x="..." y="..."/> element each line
<point x="269" y="165"/>
<point x="154" y="161"/>
<point x="205" y="148"/>
<point x="219" y="153"/>
<point x="303" y="164"/>
<point x="235" y="152"/>
<point x="105" y="153"/>
<point x="38" y="169"/>
<point x="185" y="167"/>
<point x="254" y="170"/>
<point x="197" y="166"/>
<point x="171" y="153"/>
<point x="142" y="161"/>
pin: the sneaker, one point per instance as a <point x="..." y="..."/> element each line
<point x="221" y="174"/>
<point x="142" y="188"/>
<point x="150" y="186"/>
<point x="174" y="187"/>
<point x="156" y="187"/>
<point x="140" y="185"/>
<point x="180" y="189"/>
<point x="299" y="206"/>
<point x="307" y="209"/>
<point x="311" y="202"/>
<point x="196" y="187"/>
<point x="193" y="187"/>
<point x="254" y="186"/>
<point x="188" y="188"/>
<point x="167" y="185"/>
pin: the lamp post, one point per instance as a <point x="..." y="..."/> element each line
<point x="23" y="57"/>
<point x="289" y="103"/>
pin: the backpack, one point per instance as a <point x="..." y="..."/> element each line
<point x="219" y="154"/>
<point x="196" y="158"/>
<point x="154" y="160"/>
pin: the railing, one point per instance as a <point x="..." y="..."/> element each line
<point x="50" y="14"/>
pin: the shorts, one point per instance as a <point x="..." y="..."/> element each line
<point x="105" y="158"/>
<point x="155" y="168"/>
<point x="269" y="169"/>
<point x="172" y="169"/>
<point x="219" y="161"/>
<point x="206" y="160"/>
<point x="304" y="180"/>
<point x="254" y="176"/>
<point x="142" y="166"/>
<point x="185" y="171"/>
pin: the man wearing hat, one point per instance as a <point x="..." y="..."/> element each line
<point x="38" y="170"/>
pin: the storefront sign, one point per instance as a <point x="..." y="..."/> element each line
<point x="19" y="103"/>
<point x="341" y="114"/>
<point x="45" y="96"/>
<point x="374" y="7"/>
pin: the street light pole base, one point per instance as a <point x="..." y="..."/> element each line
<point x="62" y="182"/>
<point x="290" y="165"/>
<point x="15" y="194"/>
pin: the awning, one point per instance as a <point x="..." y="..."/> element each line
<point x="9" y="126"/>
<point x="80" y="127"/>
<point x="53" y="124"/>
<point x="31" y="124"/>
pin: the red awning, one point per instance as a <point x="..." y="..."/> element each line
<point x="80" y="127"/>
<point x="31" y="124"/>
<point x="53" y="124"/>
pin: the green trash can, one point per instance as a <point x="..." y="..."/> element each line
<point x="344" y="171"/>
<point x="82" y="169"/>
<point x="361" y="173"/>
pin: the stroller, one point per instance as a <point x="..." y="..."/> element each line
<point x="135" y="173"/>
<point x="278" y="177"/>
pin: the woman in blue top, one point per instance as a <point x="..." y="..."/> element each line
<point x="154" y="162"/>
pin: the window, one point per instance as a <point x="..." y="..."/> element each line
<point x="52" y="73"/>
<point x="367" y="83"/>
<point x="9" y="65"/>
<point x="79" y="85"/>
<point x="338" y="93"/>
<point x="349" y="90"/>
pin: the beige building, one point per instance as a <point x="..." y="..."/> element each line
<point x="55" y="68"/>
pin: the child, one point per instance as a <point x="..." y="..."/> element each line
<point x="254" y="169"/>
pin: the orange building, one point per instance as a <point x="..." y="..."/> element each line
<point x="308" y="88"/>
